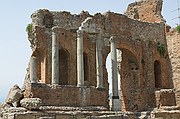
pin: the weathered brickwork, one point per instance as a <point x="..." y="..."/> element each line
<point x="57" y="95"/>
<point x="78" y="45"/>
<point x="137" y="40"/>
<point x="174" y="55"/>
<point x="165" y="97"/>
<point x="146" y="10"/>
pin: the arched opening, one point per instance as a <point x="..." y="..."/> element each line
<point x="130" y="80"/>
<point x="109" y="70"/>
<point x="86" y="68"/>
<point x="63" y="67"/>
<point x="157" y="74"/>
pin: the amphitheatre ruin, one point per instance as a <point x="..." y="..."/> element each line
<point x="67" y="76"/>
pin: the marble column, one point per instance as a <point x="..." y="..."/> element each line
<point x="80" y="61"/>
<point x="55" y="57"/>
<point x="33" y="70"/>
<point x="99" y="67"/>
<point x="115" y="92"/>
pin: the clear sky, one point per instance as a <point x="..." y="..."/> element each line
<point x="15" y="15"/>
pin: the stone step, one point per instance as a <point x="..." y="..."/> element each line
<point x="46" y="117"/>
<point x="109" y="117"/>
<point x="142" y="115"/>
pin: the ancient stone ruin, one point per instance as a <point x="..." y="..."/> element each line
<point x="67" y="76"/>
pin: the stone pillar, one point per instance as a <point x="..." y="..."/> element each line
<point x="55" y="57"/>
<point x="33" y="70"/>
<point x="80" y="61"/>
<point x="115" y="92"/>
<point x="99" y="67"/>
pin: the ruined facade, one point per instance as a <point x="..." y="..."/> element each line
<point x="143" y="69"/>
<point x="68" y="62"/>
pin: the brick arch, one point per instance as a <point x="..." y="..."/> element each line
<point x="128" y="47"/>
<point x="135" y="53"/>
<point x="63" y="67"/>
<point x="130" y="75"/>
<point x="165" y="78"/>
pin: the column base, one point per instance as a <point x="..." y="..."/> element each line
<point x="33" y="81"/>
<point x="80" y="85"/>
<point x="54" y="84"/>
<point x="115" y="104"/>
<point x="100" y="88"/>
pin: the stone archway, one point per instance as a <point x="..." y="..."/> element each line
<point x="129" y="72"/>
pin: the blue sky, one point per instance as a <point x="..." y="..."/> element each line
<point x="15" y="15"/>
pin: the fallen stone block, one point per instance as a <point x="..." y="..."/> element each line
<point x="31" y="103"/>
<point x="14" y="96"/>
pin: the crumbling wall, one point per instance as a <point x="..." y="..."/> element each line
<point x="145" y="10"/>
<point x="139" y="38"/>
<point x="174" y="55"/>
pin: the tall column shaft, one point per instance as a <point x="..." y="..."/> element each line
<point x="115" y="96"/>
<point x="55" y="58"/>
<point x="99" y="68"/>
<point x="33" y="70"/>
<point x="80" y="61"/>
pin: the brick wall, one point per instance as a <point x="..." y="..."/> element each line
<point x="58" y="95"/>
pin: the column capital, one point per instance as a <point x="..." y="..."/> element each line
<point x="55" y="29"/>
<point x="33" y="57"/>
<point x="112" y="39"/>
<point x="79" y="33"/>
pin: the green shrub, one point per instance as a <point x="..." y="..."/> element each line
<point x="29" y="28"/>
<point x="178" y="28"/>
<point x="161" y="48"/>
<point x="143" y="62"/>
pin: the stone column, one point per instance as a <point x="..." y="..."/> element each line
<point x="33" y="70"/>
<point x="99" y="67"/>
<point x="115" y="96"/>
<point x="55" y="57"/>
<point x="80" y="61"/>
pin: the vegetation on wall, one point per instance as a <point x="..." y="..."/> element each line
<point x="161" y="48"/>
<point x="29" y="28"/>
<point x="178" y="28"/>
<point x="143" y="62"/>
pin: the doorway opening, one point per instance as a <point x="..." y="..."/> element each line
<point x="157" y="74"/>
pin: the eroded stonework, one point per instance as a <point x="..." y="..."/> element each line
<point x="146" y="10"/>
<point x="137" y="40"/>
<point x="67" y="69"/>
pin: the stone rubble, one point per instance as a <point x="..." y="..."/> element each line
<point x="31" y="103"/>
<point x="14" y="96"/>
